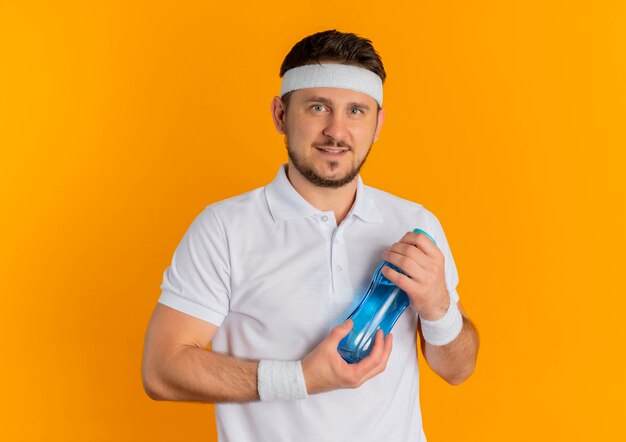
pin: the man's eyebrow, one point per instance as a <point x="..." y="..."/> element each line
<point x="361" y="105"/>
<point x="328" y="101"/>
<point x="319" y="100"/>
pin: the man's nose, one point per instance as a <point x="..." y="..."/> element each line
<point x="336" y="127"/>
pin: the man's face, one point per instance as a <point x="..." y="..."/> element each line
<point x="329" y="133"/>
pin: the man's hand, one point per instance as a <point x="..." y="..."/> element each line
<point x="325" y="370"/>
<point x="424" y="266"/>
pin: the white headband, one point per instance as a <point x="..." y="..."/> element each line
<point x="333" y="75"/>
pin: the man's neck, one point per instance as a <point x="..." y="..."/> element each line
<point x="339" y="200"/>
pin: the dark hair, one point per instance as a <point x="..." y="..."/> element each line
<point x="332" y="45"/>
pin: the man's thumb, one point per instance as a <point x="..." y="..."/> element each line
<point x="340" y="331"/>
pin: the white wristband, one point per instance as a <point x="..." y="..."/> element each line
<point x="445" y="329"/>
<point x="281" y="380"/>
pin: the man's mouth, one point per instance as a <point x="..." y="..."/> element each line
<point x="332" y="151"/>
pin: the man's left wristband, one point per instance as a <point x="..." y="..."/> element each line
<point x="445" y="329"/>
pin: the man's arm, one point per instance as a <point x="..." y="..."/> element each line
<point x="456" y="361"/>
<point x="177" y="366"/>
<point x="424" y="282"/>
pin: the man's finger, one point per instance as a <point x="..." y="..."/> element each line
<point x="423" y="232"/>
<point x="403" y="281"/>
<point x="410" y="251"/>
<point x="422" y="241"/>
<point x="382" y="363"/>
<point x="408" y="265"/>
<point x="339" y="332"/>
<point x="371" y="361"/>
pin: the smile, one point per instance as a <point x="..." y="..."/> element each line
<point x="332" y="151"/>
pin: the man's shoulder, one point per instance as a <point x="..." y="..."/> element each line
<point x="385" y="198"/>
<point x="250" y="198"/>
<point x="250" y="205"/>
<point x="401" y="208"/>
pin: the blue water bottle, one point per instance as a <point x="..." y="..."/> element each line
<point x="380" y="307"/>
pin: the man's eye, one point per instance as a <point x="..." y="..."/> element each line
<point x="356" y="111"/>
<point x="318" y="107"/>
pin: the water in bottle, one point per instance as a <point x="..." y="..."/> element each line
<point x="380" y="308"/>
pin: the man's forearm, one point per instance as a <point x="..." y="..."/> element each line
<point x="455" y="361"/>
<point x="195" y="374"/>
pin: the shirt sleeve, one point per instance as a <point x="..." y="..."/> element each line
<point x="197" y="282"/>
<point x="452" y="276"/>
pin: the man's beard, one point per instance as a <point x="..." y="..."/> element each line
<point x="307" y="172"/>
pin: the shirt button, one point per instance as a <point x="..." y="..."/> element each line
<point x="339" y="268"/>
<point x="324" y="218"/>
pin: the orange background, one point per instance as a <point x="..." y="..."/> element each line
<point x="120" y="121"/>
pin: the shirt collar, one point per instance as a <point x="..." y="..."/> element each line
<point x="286" y="203"/>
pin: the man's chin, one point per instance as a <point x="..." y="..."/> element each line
<point x="329" y="174"/>
<point x="333" y="180"/>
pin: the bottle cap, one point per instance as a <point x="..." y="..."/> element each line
<point x="425" y="233"/>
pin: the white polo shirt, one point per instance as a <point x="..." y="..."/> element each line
<point x="276" y="274"/>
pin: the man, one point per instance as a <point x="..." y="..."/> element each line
<point x="267" y="278"/>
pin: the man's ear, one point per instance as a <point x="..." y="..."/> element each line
<point x="278" y="114"/>
<point x="379" y="123"/>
